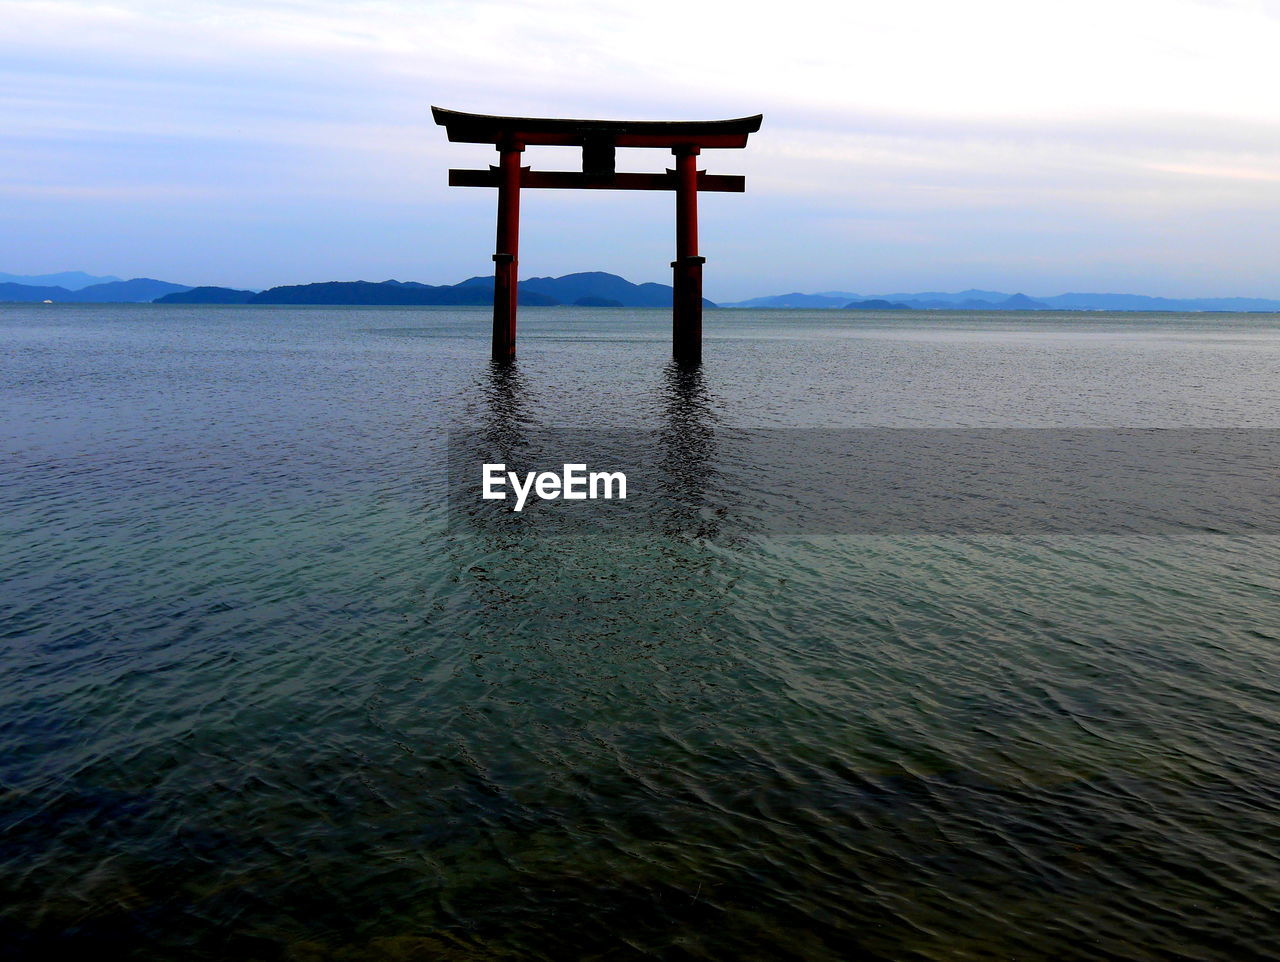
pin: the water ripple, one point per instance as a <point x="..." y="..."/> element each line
<point x="259" y="703"/>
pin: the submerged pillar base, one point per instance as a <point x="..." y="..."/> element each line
<point x="686" y="310"/>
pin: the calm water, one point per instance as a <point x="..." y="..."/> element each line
<point x="256" y="702"/>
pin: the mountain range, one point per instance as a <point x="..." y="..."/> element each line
<point x="999" y="301"/>
<point x="71" y="280"/>
<point x="591" y="288"/>
<point x="138" y="290"/>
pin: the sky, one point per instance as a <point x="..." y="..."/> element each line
<point x="1014" y="145"/>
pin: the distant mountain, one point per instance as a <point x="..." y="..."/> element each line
<point x="1020" y="302"/>
<point x="1140" y="302"/>
<point x="572" y="287"/>
<point x="589" y="288"/>
<point x="876" y="304"/>
<point x="592" y="289"/>
<point x="138" y="290"/>
<point x="207" y="295"/>
<point x="970" y="300"/>
<point x="797" y="300"/>
<point x="371" y="293"/>
<point x="973" y="296"/>
<point x="70" y="280"/>
<point x="1000" y="301"/>
<point x="25" y="292"/>
<point x="410" y="293"/>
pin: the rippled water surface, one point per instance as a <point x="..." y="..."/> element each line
<point x="257" y="702"/>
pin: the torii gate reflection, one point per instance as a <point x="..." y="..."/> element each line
<point x="599" y="140"/>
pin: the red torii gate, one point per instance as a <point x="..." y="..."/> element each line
<point x="599" y="140"/>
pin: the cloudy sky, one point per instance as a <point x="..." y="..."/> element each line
<point x="1100" y="145"/>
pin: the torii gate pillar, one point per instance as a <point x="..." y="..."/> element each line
<point x="686" y="281"/>
<point x="599" y="140"/>
<point x="506" y="256"/>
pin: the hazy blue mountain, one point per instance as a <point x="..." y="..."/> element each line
<point x="207" y="295"/>
<point x="999" y="301"/>
<point x="387" y="292"/>
<point x="971" y="304"/>
<point x="595" y="288"/>
<point x="970" y="301"/>
<point x="1140" y="302"/>
<point x="590" y="287"/>
<point x="592" y="301"/>
<point x="973" y="295"/>
<point x="838" y="299"/>
<point x="26" y="292"/>
<point x="976" y="299"/>
<point x="798" y="300"/>
<point x="876" y="304"/>
<point x="573" y="287"/>
<point x="69" y="280"/>
<point x="138" y="289"/>
<point x="1020" y="302"/>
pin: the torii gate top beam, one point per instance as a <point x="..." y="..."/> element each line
<point x="546" y="131"/>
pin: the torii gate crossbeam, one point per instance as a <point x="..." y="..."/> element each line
<point x="599" y="140"/>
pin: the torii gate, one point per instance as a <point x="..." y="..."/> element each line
<point x="599" y="140"/>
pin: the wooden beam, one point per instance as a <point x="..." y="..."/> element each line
<point x="487" y="129"/>
<point x="574" y="180"/>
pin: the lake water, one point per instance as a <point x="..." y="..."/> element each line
<point x="259" y="701"/>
